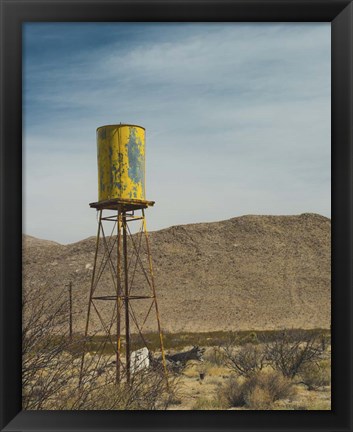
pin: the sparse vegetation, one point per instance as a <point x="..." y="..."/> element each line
<point x="272" y="383"/>
<point x="216" y="339"/>
<point x="248" y="371"/>
<point x="204" y="403"/>
<point x="233" y="392"/>
<point x="259" y="391"/>
<point x="51" y="367"/>
<point x="147" y="391"/>
<point x="259" y="398"/>
<point x="316" y="375"/>
<point x="215" y="356"/>
<point x="246" y="360"/>
<point x="289" y="353"/>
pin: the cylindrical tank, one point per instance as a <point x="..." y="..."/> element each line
<point x="121" y="162"/>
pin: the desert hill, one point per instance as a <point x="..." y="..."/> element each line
<point x="30" y="241"/>
<point x="249" y="272"/>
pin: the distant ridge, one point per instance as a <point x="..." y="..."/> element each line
<point x="248" y="272"/>
<point x="30" y="241"/>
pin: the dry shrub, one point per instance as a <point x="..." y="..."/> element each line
<point x="52" y="367"/>
<point x="278" y="386"/>
<point x="211" y="370"/>
<point x="233" y="393"/>
<point x="245" y="361"/>
<point x="192" y="370"/>
<point x="291" y="352"/>
<point x="45" y="350"/>
<point x="147" y="391"/>
<point x="259" y="391"/>
<point x="259" y="399"/>
<point x="316" y="375"/>
<point x="215" y="356"/>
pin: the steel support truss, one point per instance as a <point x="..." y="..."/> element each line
<point x="123" y="277"/>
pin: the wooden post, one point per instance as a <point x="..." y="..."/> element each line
<point x="70" y="311"/>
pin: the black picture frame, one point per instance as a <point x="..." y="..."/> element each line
<point x="13" y="14"/>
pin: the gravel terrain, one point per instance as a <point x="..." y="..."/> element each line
<point x="248" y="272"/>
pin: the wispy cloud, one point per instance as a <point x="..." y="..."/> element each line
<point x="237" y="114"/>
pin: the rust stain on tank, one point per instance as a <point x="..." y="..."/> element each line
<point x="121" y="162"/>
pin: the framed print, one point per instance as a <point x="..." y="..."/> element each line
<point x="167" y="239"/>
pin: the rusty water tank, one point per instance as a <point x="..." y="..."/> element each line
<point x="121" y="162"/>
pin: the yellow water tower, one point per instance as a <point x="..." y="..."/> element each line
<point x="121" y="162"/>
<point x="119" y="253"/>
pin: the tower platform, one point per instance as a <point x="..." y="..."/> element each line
<point x="122" y="204"/>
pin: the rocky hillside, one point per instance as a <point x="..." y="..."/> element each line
<point x="249" y="272"/>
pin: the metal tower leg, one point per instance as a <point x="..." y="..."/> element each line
<point x="154" y="294"/>
<point x="118" y="298"/>
<point x="90" y="295"/>
<point x="127" y="310"/>
<point x="122" y="255"/>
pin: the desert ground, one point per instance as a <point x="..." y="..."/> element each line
<point x="288" y="370"/>
<point x="251" y="295"/>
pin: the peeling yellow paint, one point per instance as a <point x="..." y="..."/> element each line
<point x="121" y="162"/>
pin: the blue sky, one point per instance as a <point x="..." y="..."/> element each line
<point x="237" y="119"/>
